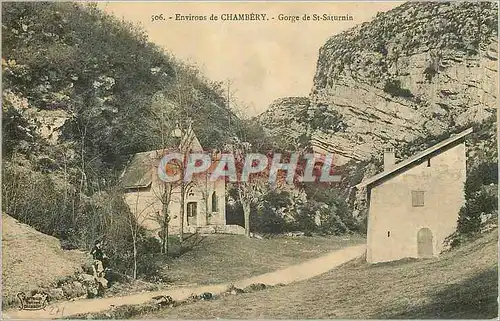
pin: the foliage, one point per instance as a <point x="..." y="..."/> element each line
<point x="327" y="119"/>
<point x="149" y="265"/>
<point x="480" y="211"/>
<point x="314" y="209"/>
<point x="331" y="210"/>
<point x="266" y="218"/>
<point x="102" y="76"/>
<point x="249" y="191"/>
<point x="430" y="71"/>
<point x="481" y="193"/>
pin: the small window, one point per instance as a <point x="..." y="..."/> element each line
<point x="417" y="198"/>
<point x="191" y="209"/>
<point x="214" y="202"/>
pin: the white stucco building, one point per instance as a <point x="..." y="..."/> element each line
<point x="204" y="200"/>
<point x="413" y="205"/>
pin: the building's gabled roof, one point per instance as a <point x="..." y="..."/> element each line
<point x="140" y="170"/>
<point x="190" y="141"/>
<point x="410" y="161"/>
<point x="138" y="173"/>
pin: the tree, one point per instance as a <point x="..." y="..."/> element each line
<point x="183" y="96"/>
<point x="481" y="197"/>
<point x="169" y="130"/>
<point x="250" y="138"/>
<point x="159" y="132"/>
<point x="134" y="222"/>
<point x="249" y="191"/>
<point x="164" y="194"/>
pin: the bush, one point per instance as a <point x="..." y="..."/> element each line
<point x="148" y="244"/>
<point x="150" y="267"/>
<point x="481" y="199"/>
<point x="430" y="72"/>
<point x="304" y="219"/>
<point x="326" y="118"/>
<point x="334" y="213"/>
<point x="267" y="221"/>
<point x="470" y="217"/>
<point x="483" y="174"/>
<point x="268" y="218"/>
<point x="323" y="210"/>
<point x="393" y="87"/>
<point x="48" y="211"/>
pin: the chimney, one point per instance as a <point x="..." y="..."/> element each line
<point x="389" y="158"/>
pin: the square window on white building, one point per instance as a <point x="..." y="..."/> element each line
<point x="417" y="198"/>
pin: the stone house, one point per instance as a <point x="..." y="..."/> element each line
<point x="204" y="200"/>
<point x="413" y="205"/>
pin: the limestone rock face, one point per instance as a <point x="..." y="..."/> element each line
<point x="50" y="124"/>
<point x="422" y="69"/>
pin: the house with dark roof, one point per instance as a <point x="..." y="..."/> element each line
<point x="413" y="205"/>
<point x="204" y="200"/>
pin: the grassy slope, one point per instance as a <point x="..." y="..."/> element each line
<point x="461" y="284"/>
<point x="225" y="258"/>
<point x="32" y="260"/>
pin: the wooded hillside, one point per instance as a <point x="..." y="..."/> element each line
<point x="81" y="92"/>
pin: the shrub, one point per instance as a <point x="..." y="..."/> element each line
<point x="430" y="72"/>
<point x="150" y="267"/>
<point x="266" y="220"/>
<point x="393" y="87"/>
<point x="481" y="199"/>
<point x="268" y="217"/>
<point x="304" y="219"/>
<point x="483" y="174"/>
<point x="148" y="244"/>
<point x="326" y="118"/>
<point x="470" y="217"/>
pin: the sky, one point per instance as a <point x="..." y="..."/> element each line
<point x="262" y="60"/>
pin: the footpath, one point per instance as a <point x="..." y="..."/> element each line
<point x="294" y="273"/>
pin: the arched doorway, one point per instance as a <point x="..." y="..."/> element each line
<point x="191" y="209"/>
<point x="424" y="241"/>
<point x="192" y="213"/>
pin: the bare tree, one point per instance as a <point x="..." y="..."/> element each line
<point x="160" y="130"/>
<point x="134" y="222"/>
<point x="167" y="130"/>
<point x="164" y="195"/>
<point x="250" y="139"/>
<point x="182" y="95"/>
<point x="250" y="192"/>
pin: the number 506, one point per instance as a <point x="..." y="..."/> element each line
<point x="157" y="17"/>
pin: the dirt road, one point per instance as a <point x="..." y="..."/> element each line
<point x="287" y="275"/>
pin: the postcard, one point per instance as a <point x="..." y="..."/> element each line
<point x="249" y="160"/>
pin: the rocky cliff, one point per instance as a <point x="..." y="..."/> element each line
<point x="419" y="70"/>
<point x="284" y="121"/>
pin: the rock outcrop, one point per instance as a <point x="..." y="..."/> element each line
<point x="284" y="120"/>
